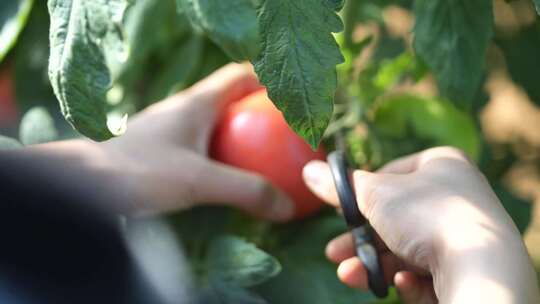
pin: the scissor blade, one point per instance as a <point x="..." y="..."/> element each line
<point x="366" y="252"/>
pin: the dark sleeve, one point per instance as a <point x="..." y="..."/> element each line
<point x="56" y="246"/>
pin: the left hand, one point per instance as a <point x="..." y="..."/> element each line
<point x="161" y="163"/>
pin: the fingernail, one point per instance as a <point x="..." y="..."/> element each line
<point x="282" y="207"/>
<point x="312" y="173"/>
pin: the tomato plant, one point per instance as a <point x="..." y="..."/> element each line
<point x="394" y="76"/>
<point x="253" y="135"/>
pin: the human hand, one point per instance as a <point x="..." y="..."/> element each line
<point x="443" y="234"/>
<point x="163" y="160"/>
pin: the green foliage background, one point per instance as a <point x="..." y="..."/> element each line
<point x="396" y="76"/>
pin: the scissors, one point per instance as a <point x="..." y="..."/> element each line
<point x="357" y="223"/>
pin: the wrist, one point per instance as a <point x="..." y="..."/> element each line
<point x="89" y="164"/>
<point x="492" y="268"/>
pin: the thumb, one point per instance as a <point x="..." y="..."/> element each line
<point x="250" y="192"/>
<point x="368" y="186"/>
<point x="318" y="177"/>
<point x="205" y="100"/>
<point x="228" y="84"/>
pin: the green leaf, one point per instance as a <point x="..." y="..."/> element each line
<point x="213" y="58"/>
<point x="381" y="76"/>
<point x="211" y="222"/>
<point x="521" y="55"/>
<point x="158" y="39"/>
<point x="231" y="24"/>
<point x="152" y="25"/>
<point x="237" y="262"/>
<point x="537" y="4"/>
<point x="430" y="119"/>
<point x="224" y="265"/>
<point x="452" y="37"/>
<point x="298" y="61"/>
<point x="307" y="276"/>
<point x="336" y="5"/>
<point x="178" y="72"/>
<point x="13" y="17"/>
<point x="7" y="143"/>
<point x="392" y="70"/>
<point x="37" y="127"/>
<point x="86" y="43"/>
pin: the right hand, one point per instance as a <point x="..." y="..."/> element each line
<point x="443" y="234"/>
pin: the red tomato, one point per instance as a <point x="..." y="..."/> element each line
<point x="8" y="109"/>
<point x="253" y="135"/>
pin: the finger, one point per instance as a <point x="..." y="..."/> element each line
<point x="353" y="273"/>
<point x="442" y="153"/>
<point x="370" y="189"/>
<point x="340" y="248"/>
<point x="403" y="165"/>
<point x="343" y="247"/>
<point x="226" y="85"/>
<point x="222" y="184"/>
<point x="408" y="286"/>
<point x="205" y="100"/>
<point x="318" y="178"/>
<point x="411" y="163"/>
<point x="195" y="111"/>
<point x="414" y="289"/>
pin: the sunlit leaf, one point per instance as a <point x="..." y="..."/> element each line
<point x="86" y="41"/>
<point x="298" y="61"/>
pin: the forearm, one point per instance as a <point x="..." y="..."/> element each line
<point x="497" y="270"/>
<point x="78" y="164"/>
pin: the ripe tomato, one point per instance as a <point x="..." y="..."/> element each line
<point x="253" y="135"/>
<point x="8" y="109"/>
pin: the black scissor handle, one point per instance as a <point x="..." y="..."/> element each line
<point x="358" y="224"/>
<point x="347" y="198"/>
